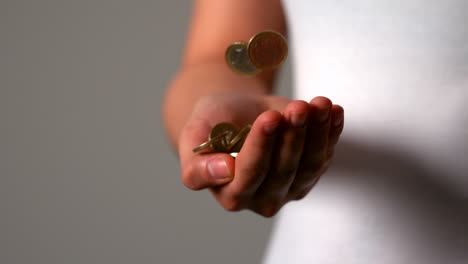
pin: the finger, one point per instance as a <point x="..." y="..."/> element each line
<point x="300" y="191"/>
<point x="202" y="170"/>
<point x="336" y="128"/>
<point x="208" y="171"/>
<point x="316" y="143"/>
<point x="271" y="193"/>
<point x="303" y="190"/>
<point x="252" y="163"/>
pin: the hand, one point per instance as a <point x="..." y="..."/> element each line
<point x="281" y="160"/>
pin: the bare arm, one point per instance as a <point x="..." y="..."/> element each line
<point x="215" y="24"/>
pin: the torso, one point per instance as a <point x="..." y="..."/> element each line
<point x="398" y="189"/>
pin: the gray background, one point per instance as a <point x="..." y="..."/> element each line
<point x="86" y="173"/>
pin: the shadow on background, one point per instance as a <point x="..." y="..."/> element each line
<point x="426" y="210"/>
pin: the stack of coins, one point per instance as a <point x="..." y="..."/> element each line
<point x="225" y="138"/>
<point x="266" y="50"/>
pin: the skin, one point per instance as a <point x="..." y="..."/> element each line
<point x="291" y="142"/>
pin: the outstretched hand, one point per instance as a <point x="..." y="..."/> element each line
<point x="289" y="147"/>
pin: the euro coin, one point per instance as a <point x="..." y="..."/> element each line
<point x="238" y="60"/>
<point x="226" y="129"/>
<point x="211" y="141"/>
<point x="267" y="50"/>
<point x="237" y="142"/>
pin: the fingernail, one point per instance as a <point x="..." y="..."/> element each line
<point x="219" y="170"/>
<point x="298" y="118"/>
<point x="338" y="120"/>
<point x="270" y="128"/>
<point x="323" y="114"/>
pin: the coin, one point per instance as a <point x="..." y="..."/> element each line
<point x="209" y="143"/>
<point x="267" y="50"/>
<point x="237" y="142"/>
<point x="238" y="60"/>
<point x="226" y="129"/>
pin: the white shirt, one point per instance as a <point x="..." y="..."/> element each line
<point x="397" y="191"/>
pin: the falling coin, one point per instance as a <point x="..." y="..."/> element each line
<point x="267" y="50"/>
<point x="228" y="131"/>
<point x="238" y="59"/>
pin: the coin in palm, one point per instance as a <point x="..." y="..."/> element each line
<point x="229" y="130"/>
<point x="238" y="140"/>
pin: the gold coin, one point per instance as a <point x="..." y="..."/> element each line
<point x="237" y="142"/>
<point x="226" y="129"/>
<point x="209" y="143"/>
<point x="267" y="50"/>
<point x="238" y="60"/>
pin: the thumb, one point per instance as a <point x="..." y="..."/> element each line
<point x="207" y="170"/>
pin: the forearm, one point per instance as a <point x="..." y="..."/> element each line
<point x="196" y="81"/>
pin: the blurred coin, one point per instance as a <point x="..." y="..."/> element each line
<point x="238" y="60"/>
<point x="267" y="50"/>
<point x="237" y="142"/>
<point x="228" y="131"/>
<point x="209" y="143"/>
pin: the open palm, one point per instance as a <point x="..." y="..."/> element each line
<point x="289" y="146"/>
